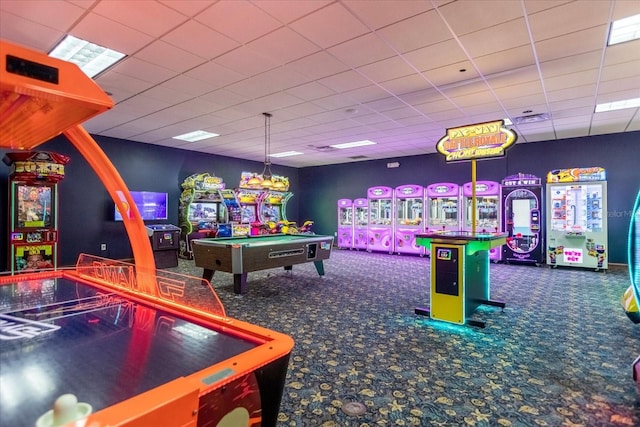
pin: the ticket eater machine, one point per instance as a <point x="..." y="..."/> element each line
<point x="460" y="259"/>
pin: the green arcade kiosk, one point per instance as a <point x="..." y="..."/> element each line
<point x="459" y="274"/>
<point x="460" y="259"/>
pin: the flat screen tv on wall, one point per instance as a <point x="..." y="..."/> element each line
<point x="151" y="205"/>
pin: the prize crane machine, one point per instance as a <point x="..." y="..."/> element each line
<point x="442" y="207"/>
<point x="201" y="211"/>
<point x="235" y="226"/>
<point x="33" y="200"/>
<point x="250" y="194"/>
<point x="576" y="232"/>
<point x="360" y="223"/>
<point x="272" y="207"/>
<point x="522" y="219"/>
<point x="380" y="225"/>
<point x="409" y="218"/>
<point x="489" y="212"/>
<point x="345" y="224"/>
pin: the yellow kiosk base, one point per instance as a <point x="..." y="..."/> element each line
<point x="459" y="275"/>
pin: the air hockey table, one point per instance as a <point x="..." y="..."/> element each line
<point x="241" y="255"/>
<point x="169" y="359"/>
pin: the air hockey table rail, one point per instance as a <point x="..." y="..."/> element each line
<point x="141" y="347"/>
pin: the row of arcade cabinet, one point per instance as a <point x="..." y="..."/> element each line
<point x="208" y="209"/>
<point x="575" y="232"/>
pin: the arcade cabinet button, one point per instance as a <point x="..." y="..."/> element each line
<point x="66" y="409"/>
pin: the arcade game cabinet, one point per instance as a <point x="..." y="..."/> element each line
<point x="33" y="200"/>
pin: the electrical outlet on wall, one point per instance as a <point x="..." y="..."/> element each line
<point x="103" y="246"/>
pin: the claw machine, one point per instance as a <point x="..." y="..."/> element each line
<point x="345" y="224"/>
<point x="522" y="219"/>
<point x="409" y="200"/>
<point x="360" y="223"/>
<point x="442" y="201"/>
<point x="380" y="227"/>
<point x="577" y="218"/>
<point x="488" y="213"/>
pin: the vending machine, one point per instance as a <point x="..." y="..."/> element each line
<point x="576" y="226"/>
<point x="33" y="200"/>
<point x="488" y="211"/>
<point x="522" y="219"/>
<point x="442" y="207"/>
<point x="345" y="224"/>
<point x="380" y="227"/>
<point x="360" y="223"/>
<point x="409" y="200"/>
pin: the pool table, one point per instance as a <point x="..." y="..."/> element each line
<point x="134" y="359"/>
<point x="240" y="255"/>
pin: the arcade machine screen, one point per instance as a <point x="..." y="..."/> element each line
<point x="34" y="206"/>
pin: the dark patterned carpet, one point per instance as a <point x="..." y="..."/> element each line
<point x="559" y="355"/>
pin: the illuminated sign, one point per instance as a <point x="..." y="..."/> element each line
<point x="577" y="175"/>
<point x="441" y="189"/>
<point x="478" y="141"/>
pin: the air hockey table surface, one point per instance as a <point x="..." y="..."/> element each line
<point x="64" y="334"/>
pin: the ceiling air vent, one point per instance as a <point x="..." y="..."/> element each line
<point x="358" y="157"/>
<point x="324" y="148"/>
<point x="532" y="118"/>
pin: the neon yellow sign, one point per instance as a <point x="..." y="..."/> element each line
<point x="477" y="141"/>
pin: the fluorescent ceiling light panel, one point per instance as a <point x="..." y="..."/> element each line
<point x="618" y="105"/>
<point x="194" y="136"/>
<point x="286" y="154"/>
<point x="91" y="58"/>
<point x="624" y="30"/>
<point x="507" y="121"/>
<point x="353" y="144"/>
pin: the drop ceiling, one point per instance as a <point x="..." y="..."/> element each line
<point x="395" y="72"/>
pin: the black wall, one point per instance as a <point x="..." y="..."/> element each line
<point x="619" y="154"/>
<point x="86" y="210"/>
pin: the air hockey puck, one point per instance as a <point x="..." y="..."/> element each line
<point x="354" y="409"/>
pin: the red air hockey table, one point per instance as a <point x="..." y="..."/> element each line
<point x="171" y="359"/>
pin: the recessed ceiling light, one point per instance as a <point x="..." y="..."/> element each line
<point x="286" y="154"/>
<point x="91" y="58"/>
<point x="624" y="30"/>
<point x="194" y="136"/>
<point x="618" y="105"/>
<point x="353" y="144"/>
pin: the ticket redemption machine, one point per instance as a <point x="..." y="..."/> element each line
<point x="345" y="224"/>
<point x="33" y="200"/>
<point x="459" y="274"/>
<point x="165" y="243"/>
<point x="409" y="218"/>
<point x="488" y="211"/>
<point x="380" y="225"/>
<point x="522" y="219"/>
<point x="576" y="225"/>
<point x="201" y="210"/>
<point x="360" y="223"/>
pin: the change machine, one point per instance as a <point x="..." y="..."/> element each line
<point x="522" y="219"/>
<point x="380" y="228"/>
<point x="360" y="223"/>
<point x="409" y="218"/>
<point x="345" y="223"/>
<point x="33" y="231"/>
<point x="577" y="218"/>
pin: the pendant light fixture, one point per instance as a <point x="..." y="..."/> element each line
<point x="266" y="172"/>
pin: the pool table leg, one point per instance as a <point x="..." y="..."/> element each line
<point x="319" y="267"/>
<point x="240" y="283"/>
<point x="207" y="275"/>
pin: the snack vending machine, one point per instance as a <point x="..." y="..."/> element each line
<point x="360" y="223"/>
<point x="409" y="218"/>
<point x="345" y="224"/>
<point x="522" y="219"/>
<point x="488" y="211"/>
<point x="380" y="228"/>
<point x="577" y="218"/>
<point x="442" y="207"/>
